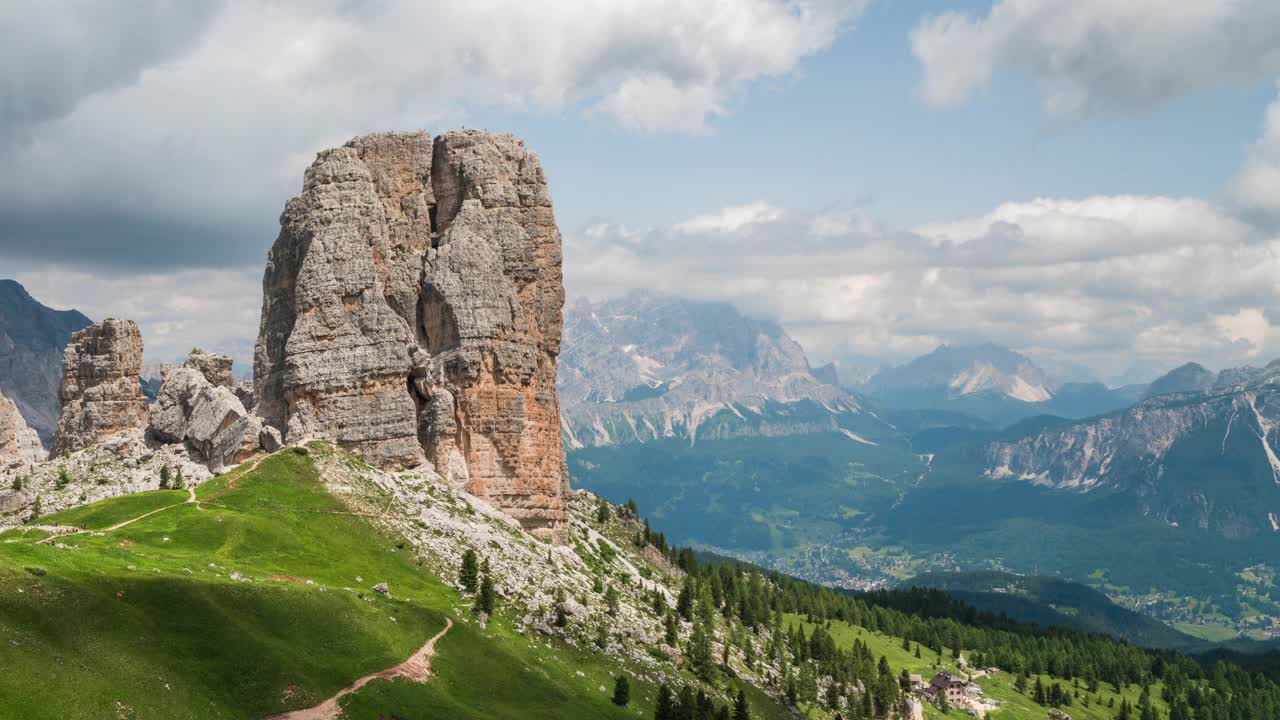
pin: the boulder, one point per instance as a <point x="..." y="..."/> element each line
<point x="412" y="309"/>
<point x="100" y="391"/>
<point x="209" y="419"/>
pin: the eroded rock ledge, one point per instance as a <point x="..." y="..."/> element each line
<point x="412" y="310"/>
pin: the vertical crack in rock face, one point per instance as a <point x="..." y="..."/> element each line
<point x="412" y="309"/>
<point x="100" y="392"/>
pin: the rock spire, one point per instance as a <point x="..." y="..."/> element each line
<point x="412" y="313"/>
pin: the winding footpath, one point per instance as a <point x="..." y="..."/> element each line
<point x="191" y="500"/>
<point x="417" y="669"/>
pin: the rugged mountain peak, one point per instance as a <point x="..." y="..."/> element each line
<point x="647" y="366"/>
<point x="32" y="338"/>
<point x="412" y="312"/>
<point x="19" y="444"/>
<point x="968" y="370"/>
<point x="1191" y="377"/>
<point x="1210" y="461"/>
<point x="100" y="392"/>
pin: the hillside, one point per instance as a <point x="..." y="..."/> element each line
<point x="32" y="337"/>
<point x="223" y="598"/>
<point x="1050" y="602"/>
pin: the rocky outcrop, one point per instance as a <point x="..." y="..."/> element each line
<point x="209" y="419"/>
<point x="32" y="338"/>
<point x="19" y="444"/>
<point x="122" y="464"/>
<point x="215" y="367"/>
<point x="412" y="313"/>
<point x="100" y="392"/>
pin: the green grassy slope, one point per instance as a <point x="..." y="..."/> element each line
<point x="253" y="602"/>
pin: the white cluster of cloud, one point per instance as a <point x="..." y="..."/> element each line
<point x="140" y="147"/>
<point x="141" y="143"/>
<point x="1101" y="55"/>
<point x="1106" y="280"/>
<point x="222" y="115"/>
<point x="1256" y="188"/>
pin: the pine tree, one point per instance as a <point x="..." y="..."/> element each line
<point x="178" y="482"/>
<point x="602" y="512"/>
<point x="701" y="659"/>
<point x="741" y="711"/>
<point x="164" y="477"/>
<point x="488" y="597"/>
<point x="469" y="574"/>
<point x="684" y="603"/>
<point x="611" y="599"/>
<point x="665" y="708"/>
<point x="1038" y="694"/>
<point x="673" y="630"/>
<point x="37" y="508"/>
<point x="1020" y="684"/>
<point x="621" y="691"/>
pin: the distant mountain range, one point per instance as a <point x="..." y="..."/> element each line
<point x="990" y="383"/>
<point x="1166" y="496"/>
<point x="1207" y="458"/>
<point x="956" y="372"/>
<point x="648" y="367"/>
<point x="32" y="337"/>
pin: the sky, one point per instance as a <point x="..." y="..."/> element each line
<point x="1093" y="183"/>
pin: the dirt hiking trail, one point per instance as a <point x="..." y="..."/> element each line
<point x="417" y="669"/>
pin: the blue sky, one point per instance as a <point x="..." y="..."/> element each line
<point x="849" y="128"/>
<point x="1089" y="182"/>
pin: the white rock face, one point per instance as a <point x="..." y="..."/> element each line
<point x="209" y="419"/>
<point x="19" y="444"/>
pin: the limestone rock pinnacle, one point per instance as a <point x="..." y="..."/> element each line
<point x="412" y="310"/>
<point x="100" y="392"/>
